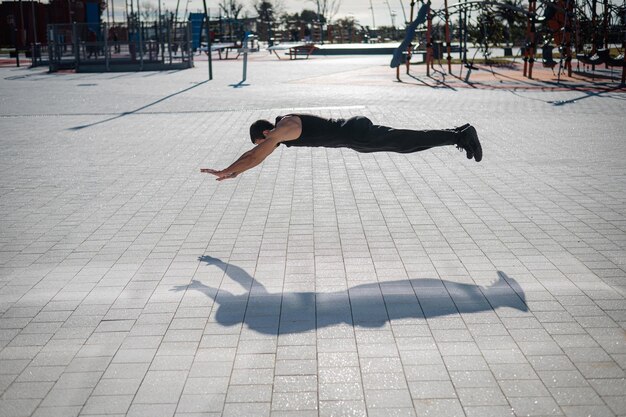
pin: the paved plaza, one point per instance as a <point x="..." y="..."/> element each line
<point x="323" y="282"/>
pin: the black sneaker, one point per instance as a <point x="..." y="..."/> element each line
<point x="461" y="128"/>
<point x="470" y="143"/>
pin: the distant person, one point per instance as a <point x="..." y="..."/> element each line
<point x="92" y="47"/>
<point x="113" y="37"/>
<point x="357" y="133"/>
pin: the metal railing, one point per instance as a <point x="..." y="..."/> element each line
<point x="121" y="47"/>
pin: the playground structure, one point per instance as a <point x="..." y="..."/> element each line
<point x="579" y="29"/>
<point x="138" y="46"/>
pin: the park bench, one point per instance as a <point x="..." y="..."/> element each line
<point x="294" y="51"/>
<point x="224" y="49"/>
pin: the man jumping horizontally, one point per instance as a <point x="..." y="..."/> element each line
<point x="357" y="133"/>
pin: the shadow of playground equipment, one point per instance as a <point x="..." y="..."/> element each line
<point x="367" y="305"/>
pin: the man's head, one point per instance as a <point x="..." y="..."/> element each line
<point x="258" y="129"/>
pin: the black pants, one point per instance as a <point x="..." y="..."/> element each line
<point x="364" y="136"/>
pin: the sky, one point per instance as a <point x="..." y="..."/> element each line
<point x="359" y="9"/>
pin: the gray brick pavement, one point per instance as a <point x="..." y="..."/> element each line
<point x="322" y="283"/>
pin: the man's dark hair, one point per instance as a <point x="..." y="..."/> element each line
<point x="257" y="128"/>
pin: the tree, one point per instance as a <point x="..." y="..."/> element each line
<point x="510" y="12"/>
<point x="267" y="11"/>
<point x="149" y="11"/>
<point x="347" y="28"/>
<point x="327" y="9"/>
<point x="487" y="31"/>
<point x="231" y="10"/>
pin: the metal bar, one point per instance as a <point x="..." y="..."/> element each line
<point x="106" y="46"/>
<point x="208" y="36"/>
<point x="447" y="27"/>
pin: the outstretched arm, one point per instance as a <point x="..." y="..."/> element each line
<point x="289" y="128"/>
<point x="248" y="160"/>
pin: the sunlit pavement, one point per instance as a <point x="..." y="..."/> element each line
<point x="323" y="282"/>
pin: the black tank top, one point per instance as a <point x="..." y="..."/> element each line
<point x="319" y="131"/>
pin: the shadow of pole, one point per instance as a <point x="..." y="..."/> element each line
<point x="140" y="108"/>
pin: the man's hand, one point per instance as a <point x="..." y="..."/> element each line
<point x="221" y="175"/>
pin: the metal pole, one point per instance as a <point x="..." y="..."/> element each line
<point x="140" y="28"/>
<point x="461" y="35"/>
<point x="158" y="31"/>
<point x="32" y="6"/>
<point x="465" y="35"/>
<point x="106" y="45"/>
<point x="429" y="42"/>
<point x="169" y="47"/>
<point x="17" y="50"/>
<point x="21" y="25"/>
<point x="373" y="19"/>
<point x="449" y="57"/>
<point x="403" y="12"/>
<point x="76" y="45"/>
<point x="208" y="37"/>
<point x="245" y="58"/>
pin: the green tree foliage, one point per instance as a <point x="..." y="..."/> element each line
<point x="487" y="32"/>
<point x="511" y="12"/>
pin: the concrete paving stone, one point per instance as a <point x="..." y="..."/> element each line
<point x="139" y="342"/>
<point x="66" y="397"/>
<point x="342" y="408"/>
<point x="537" y="406"/>
<point x="489" y="410"/>
<point x="107" y="405"/>
<point x="551" y="363"/>
<point x="576" y="396"/>
<point x="484" y="396"/>
<point x="469" y="379"/>
<point x="294" y="401"/>
<point x="553" y="379"/>
<point x="391" y="411"/>
<point x="294" y="413"/>
<point x="151" y="410"/>
<point x="125" y="386"/>
<point x="126" y="370"/>
<point x="26" y="390"/>
<point x="19" y="407"/>
<point x="465" y="363"/>
<point x="341" y="392"/>
<point x="540" y="348"/>
<point x="385" y="398"/>
<point x="587" y="410"/>
<point x="161" y="387"/>
<point x="249" y="393"/>
<point x="297" y="367"/>
<point x="432" y="389"/>
<point x="176" y="348"/>
<point x="340" y="374"/>
<point x="57" y="412"/>
<point x="200" y="404"/>
<point x="256" y="409"/>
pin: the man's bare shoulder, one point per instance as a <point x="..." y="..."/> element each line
<point x="288" y="128"/>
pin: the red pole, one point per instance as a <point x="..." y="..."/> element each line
<point x="531" y="52"/>
<point x="527" y="42"/>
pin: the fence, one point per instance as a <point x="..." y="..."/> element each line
<point x="142" y="46"/>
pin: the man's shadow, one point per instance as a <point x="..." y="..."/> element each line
<point x="367" y="305"/>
